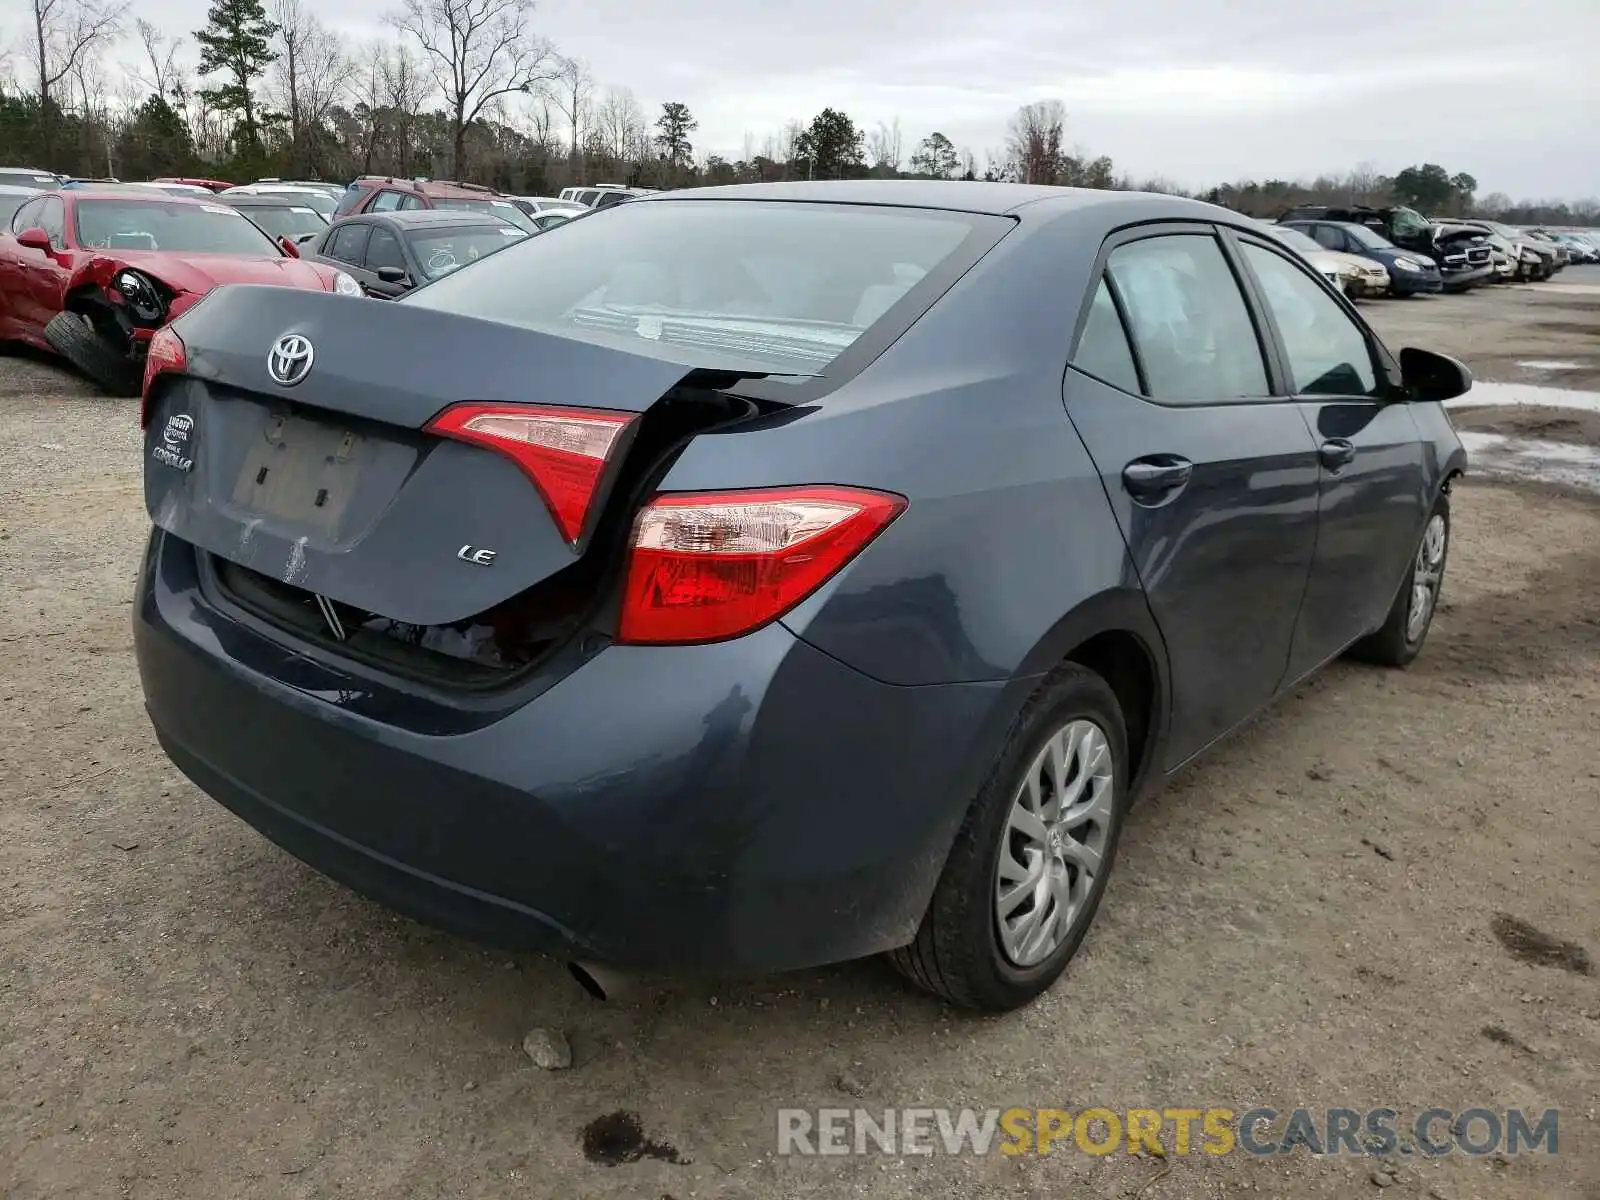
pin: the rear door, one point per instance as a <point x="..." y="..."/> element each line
<point x="1372" y="477"/>
<point x="1213" y="479"/>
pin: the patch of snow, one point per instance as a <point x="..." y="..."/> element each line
<point x="1495" y="454"/>
<point x="1485" y="395"/>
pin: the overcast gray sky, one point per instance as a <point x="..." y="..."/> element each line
<point x="1197" y="92"/>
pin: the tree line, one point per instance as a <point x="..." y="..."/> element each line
<point x="469" y="90"/>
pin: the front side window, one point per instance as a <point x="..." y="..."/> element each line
<point x="53" y="220"/>
<point x="27" y="216"/>
<point x="783" y="287"/>
<point x="384" y="250"/>
<point x="1189" y="320"/>
<point x="1328" y="353"/>
<point x="1103" y="349"/>
<point x="181" y="226"/>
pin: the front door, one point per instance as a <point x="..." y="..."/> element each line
<point x="1212" y="479"/>
<point x="1373" y="483"/>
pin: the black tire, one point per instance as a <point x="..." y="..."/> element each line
<point x="957" y="953"/>
<point x="1393" y="645"/>
<point x="74" y="337"/>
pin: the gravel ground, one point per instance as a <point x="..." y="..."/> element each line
<point x="1382" y="893"/>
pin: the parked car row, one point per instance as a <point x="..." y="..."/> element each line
<point x="1422" y="255"/>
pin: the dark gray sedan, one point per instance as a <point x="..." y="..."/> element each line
<point x="391" y="253"/>
<point x="751" y="578"/>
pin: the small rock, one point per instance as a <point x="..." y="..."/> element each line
<point x="1382" y="1180"/>
<point x="470" y="1086"/>
<point x="713" y="1002"/>
<point x="126" y="845"/>
<point x="850" y="1083"/>
<point x="548" y="1048"/>
<point x="1322" y="774"/>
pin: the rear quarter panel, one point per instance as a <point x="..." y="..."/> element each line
<point x="1008" y="532"/>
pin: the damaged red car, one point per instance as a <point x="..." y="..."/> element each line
<point x="92" y="275"/>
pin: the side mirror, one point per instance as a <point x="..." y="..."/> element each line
<point x="35" y="239"/>
<point x="391" y="274"/>
<point x="289" y="247"/>
<point x="1430" y="376"/>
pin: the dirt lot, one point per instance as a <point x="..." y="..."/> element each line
<point x="1315" y="915"/>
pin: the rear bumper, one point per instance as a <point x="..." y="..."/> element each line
<point x="750" y="805"/>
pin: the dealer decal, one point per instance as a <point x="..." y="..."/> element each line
<point x="173" y="449"/>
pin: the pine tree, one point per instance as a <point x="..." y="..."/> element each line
<point x="236" y="41"/>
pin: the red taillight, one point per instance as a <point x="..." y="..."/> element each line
<point x="166" y="355"/>
<point x="712" y="565"/>
<point x="563" y="450"/>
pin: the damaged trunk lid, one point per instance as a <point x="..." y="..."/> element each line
<point x="331" y="490"/>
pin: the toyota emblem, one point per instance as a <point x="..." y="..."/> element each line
<point x="289" y="361"/>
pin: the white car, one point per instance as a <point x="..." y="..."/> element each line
<point x="317" y="198"/>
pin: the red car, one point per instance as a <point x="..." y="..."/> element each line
<point x="212" y="185"/>
<point x="92" y="275"/>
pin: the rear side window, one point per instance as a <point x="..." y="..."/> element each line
<point x="348" y="243"/>
<point x="1328" y="353"/>
<point x="387" y="202"/>
<point x="1103" y="349"/>
<point x="1189" y="320"/>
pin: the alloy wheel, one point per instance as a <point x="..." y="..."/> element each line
<point x="1054" y="843"/>
<point x="1425" y="577"/>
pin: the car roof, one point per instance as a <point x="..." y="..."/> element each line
<point x="431" y="216"/>
<point x="137" y="195"/>
<point x="11" y="189"/>
<point x="959" y="196"/>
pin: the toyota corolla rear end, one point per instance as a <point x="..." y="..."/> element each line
<point x="422" y="605"/>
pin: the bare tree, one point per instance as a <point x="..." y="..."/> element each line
<point x="64" y="34"/>
<point x="476" y="51"/>
<point x="159" y="72"/>
<point x="885" y="147"/>
<point x="368" y="97"/>
<point x="619" y="120"/>
<point x="572" y="89"/>
<point x="309" y="75"/>
<point x="406" y="87"/>
<point x="1034" y="141"/>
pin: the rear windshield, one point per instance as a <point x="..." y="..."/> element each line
<point x="503" y="209"/>
<point x="781" y="287"/>
<point x="182" y="226"/>
<point x="289" y="220"/>
<point x="321" y="201"/>
<point x="445" y="250"/>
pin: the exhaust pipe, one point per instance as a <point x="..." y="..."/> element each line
<point x="602" y="983"/>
